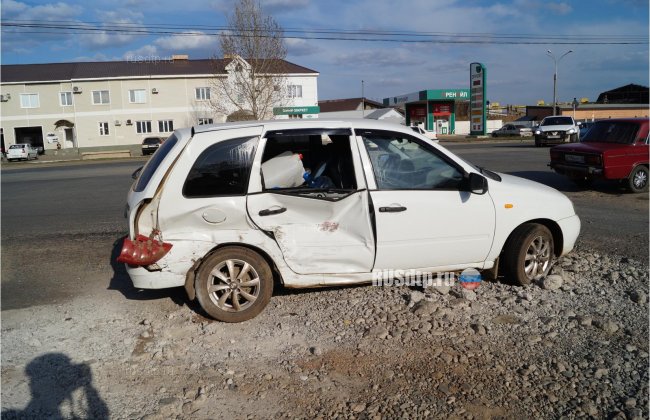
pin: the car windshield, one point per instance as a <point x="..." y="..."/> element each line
<point x="623" y="132"/>
<point x="17" y="146"/>
<point x="557" y="121"/>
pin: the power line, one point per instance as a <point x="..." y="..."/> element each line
<point x="77" y="28"/>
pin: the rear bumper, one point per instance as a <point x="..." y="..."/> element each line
<point x="143" y="279"/>
<point x="570" y="231"/>
<point x="577" y="170"/>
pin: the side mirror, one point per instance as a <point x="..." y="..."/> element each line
<point x="578" y="123"/>
<point x="136" y="173"/>
<point x="477" y="184"/>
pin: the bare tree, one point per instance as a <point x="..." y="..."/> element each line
<point x="253" y="59"/>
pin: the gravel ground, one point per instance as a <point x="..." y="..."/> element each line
<point x="575" y="345"/>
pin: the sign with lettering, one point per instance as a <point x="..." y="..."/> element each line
<point x="294" y="110"/>
<point x="477" y="99"/>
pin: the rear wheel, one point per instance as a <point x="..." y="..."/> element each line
<point x="637" y="182"/>
<point x="234" y="284"/>
<point x="528" y="253"/>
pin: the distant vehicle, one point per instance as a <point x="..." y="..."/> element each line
<point x="557" y="129"/>
<point x="611" y="149"/>
<point x="513" y="130"/>
<point x="21" y="151"/>
<point x="428" y="134"/>
<point x="151" y="144"/>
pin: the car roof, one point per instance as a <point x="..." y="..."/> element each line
<point x="306" y="123"/>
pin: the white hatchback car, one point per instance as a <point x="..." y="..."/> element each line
<point x="225" y="210"/>
<point x="21" y="151"/>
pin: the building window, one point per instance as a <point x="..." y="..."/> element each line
<point x="65" y="98"/>
<point x="29" y="100"/>
<point x="143" y="127"/>
<point x="101" y="97"/>
<point x="165" y="126"/>
<point x="137" y="96"/>
<point x="203" y="121"/>
<point x="203" y="94"/>
<point x="103" y="129"/>
<point x="295" y="116"/>
<point x="294" y="91"/>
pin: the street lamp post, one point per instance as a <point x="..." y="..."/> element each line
<point x="550" y="54"/>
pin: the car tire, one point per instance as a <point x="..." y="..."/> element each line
<point x="573" y="138"/>
<point x="637" y="182"/>
<point x="538" y="142"/>
<point x="528" y="254"/>
<point x="252" y="292"/>
<point x="494" y="135"/>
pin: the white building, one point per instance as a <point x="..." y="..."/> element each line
<point x="95" y="104"/>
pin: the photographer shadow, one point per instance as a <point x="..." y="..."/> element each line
<point x="60" y="389"/>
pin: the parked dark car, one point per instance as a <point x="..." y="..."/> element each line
<point x="611" y="149"/>
<point x="151" y="144"/>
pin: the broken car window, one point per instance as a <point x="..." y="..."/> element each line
<point x="312" y="163"/>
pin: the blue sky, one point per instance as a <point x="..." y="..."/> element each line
<point x="517" y="74"/>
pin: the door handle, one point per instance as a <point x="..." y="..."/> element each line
<point x="269" y="212"/>
<point x="395" y="209"/>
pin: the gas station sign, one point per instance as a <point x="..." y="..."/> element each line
<point x="477" y="99"/>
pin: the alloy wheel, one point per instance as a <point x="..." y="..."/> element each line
<point x="233" y="285"/>
<point x="538" y="258"/>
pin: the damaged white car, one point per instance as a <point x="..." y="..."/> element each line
<point x="228" y="210"/>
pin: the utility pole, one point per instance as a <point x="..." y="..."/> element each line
<point x="556" y="61"/>
<point x="363" y="102"/>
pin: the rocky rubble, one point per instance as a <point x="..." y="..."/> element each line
<point x="574" y="345"/>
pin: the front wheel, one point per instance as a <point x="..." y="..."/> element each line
<point x="538" y="142"/>
<point x="234" y="284"/>
<point x="637" y="182"/>
<point x="528" y="254"/>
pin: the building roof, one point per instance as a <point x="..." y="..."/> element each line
<point x="628" y="94"/>
<point x="50" y="72"/>
<point x="349" y="104"/>
<point x="378" y="113"/>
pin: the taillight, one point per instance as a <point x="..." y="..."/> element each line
<point x="593" y="160"/>
<point x="143" y="250"/>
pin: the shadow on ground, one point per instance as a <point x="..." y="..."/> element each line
<point x="60" y="389"/>
<point x="564" y="184"/>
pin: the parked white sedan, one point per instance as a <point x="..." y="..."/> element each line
<point x="21" y="151"/>
<point x="318" y="203"/>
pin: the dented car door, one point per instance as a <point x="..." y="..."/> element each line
<point x="322" y="224"/>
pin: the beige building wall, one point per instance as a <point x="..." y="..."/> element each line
<point x="165" y="98"/>
<point x="603" y="113"/>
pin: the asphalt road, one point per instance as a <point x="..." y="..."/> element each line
<point x="61" y="222"/>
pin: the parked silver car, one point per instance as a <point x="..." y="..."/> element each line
<point x="513" y="130"/>
<point x="21" y="151"/>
